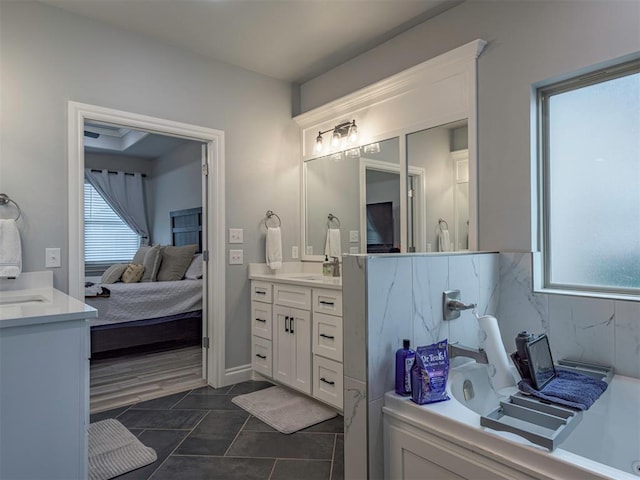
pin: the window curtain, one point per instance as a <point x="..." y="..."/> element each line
<point x="124" y="193"/>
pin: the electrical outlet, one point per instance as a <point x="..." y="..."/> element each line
<point x="51" y="257"/>
<point x="309" y="250"/>
<point x="354" y="236"/>
<point x="235" y="235"/>
<point x="235" y="257"/>
<point x="294" y="252"/>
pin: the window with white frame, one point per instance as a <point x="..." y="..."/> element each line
<point x="107" y="239"/>
<point x="589" y="145"/>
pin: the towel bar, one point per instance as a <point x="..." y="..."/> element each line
<point x="330" y="218"/>
<point x="269" y="215"/>
<point x="4" y="200"/>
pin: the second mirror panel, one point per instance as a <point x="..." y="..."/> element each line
<point x="438" y="184"/>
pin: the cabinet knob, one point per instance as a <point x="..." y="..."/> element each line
<point x="330" y="337"/>
<point x="261" y="320"/>
<point x="286" y="324"/>
<point x="329" y="382"/>
<point x="259" y="355"/>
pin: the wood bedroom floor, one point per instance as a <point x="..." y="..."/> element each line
<point x="132" y="379"/>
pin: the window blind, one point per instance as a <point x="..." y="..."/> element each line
<point x="107" y="239"/>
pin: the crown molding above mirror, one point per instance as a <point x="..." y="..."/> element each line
<point x="439" y="91"/>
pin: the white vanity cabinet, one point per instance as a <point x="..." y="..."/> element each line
<point x="327" y="346"/>
<point x="261" y="328"/>
<point x="44" y="388"/>
<point x="296" y="335"/>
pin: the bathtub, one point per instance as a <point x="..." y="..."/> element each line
<point x="605" y="444"/>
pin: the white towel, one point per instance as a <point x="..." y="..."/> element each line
<point x="444" y="244"/>
<point x="10" y="249"/>
<point x="333" y="245"/>
<point x="274" y="248"/>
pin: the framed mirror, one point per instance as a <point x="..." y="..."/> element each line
<point x="438" y="188"/>
<point x="358" y="194"/>
<point x="425" y="122"/>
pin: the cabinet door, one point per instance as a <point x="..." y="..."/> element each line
<point x="292" y="347"/>
<point x="300" y="329"/>
<point x="282" y="345"/>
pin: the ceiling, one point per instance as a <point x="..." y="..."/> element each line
<point x="121" y="141"/>
<point x="291" y="40"/>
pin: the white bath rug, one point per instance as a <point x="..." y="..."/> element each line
<point x="114" y="450"/>
<point x="283" y="409"/>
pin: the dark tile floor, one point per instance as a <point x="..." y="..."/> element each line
<point x="201" y="434"/>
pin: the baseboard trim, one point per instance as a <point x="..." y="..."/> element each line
<point x="241" y="373"/>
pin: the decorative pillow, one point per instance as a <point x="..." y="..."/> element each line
<point x="151" y="262"/>
<point x="139" y="256"/>
<point x="175" y="261"/>
<point x="194" y="272"/>
<point x="133" y="273"/>
<point x="113" y="273"/>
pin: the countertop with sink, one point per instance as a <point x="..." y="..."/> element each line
<point x="31" y="299"/>
<point x="295" y="273"/>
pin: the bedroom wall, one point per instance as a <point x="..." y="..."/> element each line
<point x="176" y="184"/>
<point x="529" y="42"/>
<point x="49" y="56"/>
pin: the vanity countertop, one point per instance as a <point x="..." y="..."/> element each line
<point x="32" y="301"/>
<point x="295" y="274"/>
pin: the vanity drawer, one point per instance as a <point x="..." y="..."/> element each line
<point x="261" y="292"/>
<point x="261" y="320"/>
<point x="327" y="336"/>
<point x="292" y="296"/>
<point x="327" y="301"/>
<point x="327" y="380"/>
<point x="262" y="356"/>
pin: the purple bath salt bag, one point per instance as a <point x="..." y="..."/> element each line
<point x="429" y="374"/>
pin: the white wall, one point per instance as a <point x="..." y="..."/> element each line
<point x="176" y="184"/>
<point x="529" y="42"/>
<point x="49" y="56"/>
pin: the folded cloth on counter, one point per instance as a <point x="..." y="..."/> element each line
<point x="10" y="249"/>
<point x="274" y="248"/>
<point x="333" y="244"/>
<point x="571" y="389"/>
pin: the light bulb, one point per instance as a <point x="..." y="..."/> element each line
<point x="335" y="138"/>
<point x="353" y="133"/>
<point x="318" y="147"/>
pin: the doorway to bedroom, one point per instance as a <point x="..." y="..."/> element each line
<point x="147" y="201"/>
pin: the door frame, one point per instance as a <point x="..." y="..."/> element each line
<point x="78" y="113"/>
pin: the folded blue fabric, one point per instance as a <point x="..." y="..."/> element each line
<point x="568" y="388"/>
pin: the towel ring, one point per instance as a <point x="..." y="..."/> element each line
<point x="4" y="200"/>
<point x="269" y="215"/>
<point x="331" y="217"/>
<point x="440" y="222"/>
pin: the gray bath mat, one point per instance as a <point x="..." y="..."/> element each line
<point x="283" y="409"/>
<point x="114" y="450"/>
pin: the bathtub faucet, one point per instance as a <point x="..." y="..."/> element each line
<point x="458" y="350"/>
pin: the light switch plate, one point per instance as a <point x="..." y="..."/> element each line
<point x="236" y="235"/>
<point x="235" y="257"/>
<point x="354" y="236"/>
<point x="294" y="252"/>
<point x="354" y="250"/>
<point x="51" y="257"/>
<point x="309" y="250"/>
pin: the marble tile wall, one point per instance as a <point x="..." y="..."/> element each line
<point x="594" y="330"/>
<point x="389" y="298"/>
<point x="385" y="300"/>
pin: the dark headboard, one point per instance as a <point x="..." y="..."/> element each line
<point x="186" y="227"/>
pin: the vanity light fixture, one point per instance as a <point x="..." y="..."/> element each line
<point x="346" y="132"/>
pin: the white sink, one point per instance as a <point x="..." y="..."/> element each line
<point x="28" y="299"/>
